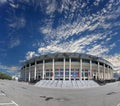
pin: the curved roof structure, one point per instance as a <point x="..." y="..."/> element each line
<point x="69" y="55"/>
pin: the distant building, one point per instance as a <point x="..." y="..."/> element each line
<point x="15" y="78"/>
<point x="66" y="66"/>
<point x="117" y="71"/>
<point x="116" y="74"/>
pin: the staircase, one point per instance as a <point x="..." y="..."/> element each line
<point x="67" y="84"/>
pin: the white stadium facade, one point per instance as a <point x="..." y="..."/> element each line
<point x="66" y="66"/>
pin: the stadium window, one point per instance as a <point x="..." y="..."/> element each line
<point x="27" y="65"/>
<point x="48" y="61"/>
<point x="59" y="60"/>
<point x="32" y="63"/>
<point x="94" y="62"/>
<point x="75" y="60"/>
<point x="101" y="64"/>
<point x="86" y="61"/>
<point x="39" y="62"/>
<point x="67" y="59"/>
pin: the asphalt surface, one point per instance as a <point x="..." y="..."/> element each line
<point x="14" y="93"/>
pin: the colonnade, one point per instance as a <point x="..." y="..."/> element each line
<point x="109" y="72"/>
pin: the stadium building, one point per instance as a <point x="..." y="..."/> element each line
<point x="66" y="66"/>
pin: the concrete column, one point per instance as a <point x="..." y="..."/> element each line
<point x="111" y="73"/>
<point x="104" y="72"/>
<point x="43" y="73"/>
<point x="80" y="69"/>
<point x="107" y="72"/>
<point x="64" y="70"/>
<point x="69" y="68"/>
<point x="29" y="73"/>
<point x="98" y="75"/>
<point x="90" y="69"/>
<point x="35" y="71"/>
<point x="22" y="73"/>
<point x="25" y="74"/>
<point x="53" y="70"/>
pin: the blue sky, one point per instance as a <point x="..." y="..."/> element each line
<point x="30" y="28"/>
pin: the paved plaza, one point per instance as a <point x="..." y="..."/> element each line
<point x="14" y="93"/>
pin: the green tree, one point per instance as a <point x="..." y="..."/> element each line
<point x="5" y="76"/>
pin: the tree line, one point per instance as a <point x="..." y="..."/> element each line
<point x="5" y="76"/>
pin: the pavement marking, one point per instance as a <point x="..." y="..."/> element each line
<point x="14" y="103"/>
<point x="1" y="104"/>
<point x="11" y="103"/>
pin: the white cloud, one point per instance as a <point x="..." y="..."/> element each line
<point x="17" y="22"/>
<point x="114" y="59"/>
<point x="98" y="50"/>
<point x="96" y="2"/>
<point x="14" y="43"/>
<point x="13" y="5"/>
<point x="51" y="7"/>
<point x="81" y="45"/>
<point x="9" y="68"/>
<point x="83" y="5"/>
<point x="30" y="54"/>
<point x="82" y="24"/>
<point x="48" y="6"/>
<point x="3" y="1"/>
<point x="78" y="45"/>
<point x="64" y="31"/>
<point x="45" y="30"/>
<point x="90" y="23"/>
